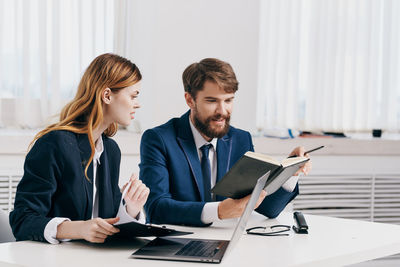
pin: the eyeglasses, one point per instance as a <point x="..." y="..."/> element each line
<point x="274" y="230"/>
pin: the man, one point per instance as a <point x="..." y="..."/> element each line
<point x="185" y="157"/>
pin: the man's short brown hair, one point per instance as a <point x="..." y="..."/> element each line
<point x="209" y="69"/>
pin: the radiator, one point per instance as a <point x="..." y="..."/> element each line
<point x="363" y="197"/>
<point x="8" y="186"/>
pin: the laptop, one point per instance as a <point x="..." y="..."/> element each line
<point x="200" y="250"/>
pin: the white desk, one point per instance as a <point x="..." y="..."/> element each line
<point x="330" y="242"/>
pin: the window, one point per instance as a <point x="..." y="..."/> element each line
<point x="44" y="48"/>
<point x="329" y="65"/>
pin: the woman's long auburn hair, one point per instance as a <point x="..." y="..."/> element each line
<point x="85" y="113"/>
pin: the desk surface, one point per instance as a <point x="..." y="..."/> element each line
<point x="330" y="242"/>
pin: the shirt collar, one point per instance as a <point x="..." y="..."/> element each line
<point x="98" y="150"/>
<point x="199" y="139"/>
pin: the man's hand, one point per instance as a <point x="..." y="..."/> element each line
<point x="136" y="196"/>
<point x="299" y="152"/>
<point x="233" y="208"/>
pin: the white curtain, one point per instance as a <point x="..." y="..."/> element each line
<point x="45" y="45"/>
<point x="329" y="65"/>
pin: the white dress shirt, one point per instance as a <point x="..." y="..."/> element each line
<point x="210" y="209"/>
<point x="50" y="231"/>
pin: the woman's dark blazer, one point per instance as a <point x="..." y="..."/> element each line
<point x="54" y="183"/>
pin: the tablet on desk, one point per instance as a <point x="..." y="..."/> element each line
<point x="136" y="229"/>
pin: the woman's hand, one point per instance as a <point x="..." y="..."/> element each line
<point x="98" y="229"/>
<point x="94" y="230"/>
<point x="299" y="152"/>
<point x="136" y="196"/>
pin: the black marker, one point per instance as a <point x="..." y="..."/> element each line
<point x="309" y="151"/>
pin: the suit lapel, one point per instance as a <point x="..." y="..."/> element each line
<point x="106" y="208"/>
<point x="186" y="141"/>
<point x="224" y="149"/>
<point x="85" y="151"/>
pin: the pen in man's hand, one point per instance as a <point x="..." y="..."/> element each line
<point x="309" y="151"/>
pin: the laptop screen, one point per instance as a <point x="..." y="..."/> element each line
<point x="240" y="227"/>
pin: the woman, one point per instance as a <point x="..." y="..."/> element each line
<point x="70" y="185"/>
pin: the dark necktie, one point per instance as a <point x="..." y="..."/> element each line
<point x="206" y="170"/>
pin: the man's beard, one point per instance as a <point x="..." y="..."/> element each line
<point x="206" y="129"/>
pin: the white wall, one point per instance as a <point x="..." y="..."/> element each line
<point x="164" y="37"/>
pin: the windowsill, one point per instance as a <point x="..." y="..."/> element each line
<point x="14" y="141"/>
<point x="360" y="145"/>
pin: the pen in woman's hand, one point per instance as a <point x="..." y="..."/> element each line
<point x="126" y="189"/>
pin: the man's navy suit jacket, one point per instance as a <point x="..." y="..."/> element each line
<point x="171" y="168"/>
<point x="54" y="183"/>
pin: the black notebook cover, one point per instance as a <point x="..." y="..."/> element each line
<point x="242" y="177"/>
<point x="135" y="229"/>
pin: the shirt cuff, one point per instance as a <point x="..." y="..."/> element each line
<point x="290" y="184"/>
<point x="50" y="231"/>
<point x="210" y="213"/>
<point x="124" y="216"/>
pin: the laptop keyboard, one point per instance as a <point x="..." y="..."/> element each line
<point x="199" y="249"/>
